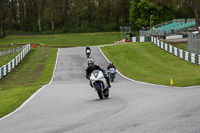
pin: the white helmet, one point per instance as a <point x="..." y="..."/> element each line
<point x="90" y="62"/>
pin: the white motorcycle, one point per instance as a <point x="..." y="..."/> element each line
<point x="88" y="53"/>
<point x="99" y="83"/>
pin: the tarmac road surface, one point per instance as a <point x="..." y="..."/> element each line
<point x="69" y="105"/>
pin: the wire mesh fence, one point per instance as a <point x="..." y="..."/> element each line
<point x="12" y="50"/>
<point x="125" y="30"/>
<point x="194" y="43"/>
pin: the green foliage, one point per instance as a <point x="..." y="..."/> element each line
<point x="140" y="11"/>
<point x="146" y="62"/>
<point x="89" y="15"/>
<point x="65" y="15"/>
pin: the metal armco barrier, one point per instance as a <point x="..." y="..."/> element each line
<point x="4" y="70"/>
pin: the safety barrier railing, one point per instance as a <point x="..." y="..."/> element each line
<point x="141" y="39"/>
<point x="188" y="56"/>
<point x="17" y="49"/>
<point x="4" y="70"/>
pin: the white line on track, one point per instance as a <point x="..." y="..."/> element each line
<point x="136" y="80"/>
<point x="32" y="96"/>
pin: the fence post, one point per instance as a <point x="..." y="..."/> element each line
<point x="137" y="39"/>
<point x="189" y="57"/>
<point x="178" y="52"/>
<point x="172" y="49"/>
<point x="196" y="59"/>
<point x="2" y="72"/>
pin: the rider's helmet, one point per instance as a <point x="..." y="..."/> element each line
<point x="90" y="62"/>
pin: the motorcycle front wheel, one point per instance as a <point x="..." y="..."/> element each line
<point x="112" y="78"/>
<point x="99" y="91"/>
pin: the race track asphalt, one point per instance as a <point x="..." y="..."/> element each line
<point x="69" y="105"/>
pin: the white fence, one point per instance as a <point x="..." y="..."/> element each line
<point x="141" y="39"/>
<point x="188" y="56"/>
<point x="4" y="70"/>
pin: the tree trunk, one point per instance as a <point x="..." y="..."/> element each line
<point x="196" y="13"/>
<point x="14" y="14"/>
<point x="21" y="11"/>
<point x="2" y="18"/>
<point x="52" y="21"/>
<point x="28" y="15"/>
<point x="39" y="14"/>
<point x="39" y="21"/>
<point x="1" y="30"/>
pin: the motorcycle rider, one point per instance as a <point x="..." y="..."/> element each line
<point x="87" y="48"/>
<point x="111" y="66"/>
<point x="91" y="67"/>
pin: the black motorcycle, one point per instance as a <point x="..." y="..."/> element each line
<point x="88" y="52"/>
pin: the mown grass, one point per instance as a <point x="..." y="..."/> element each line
<point x="4" y="59"/>
<point x="182" y="46"/>
<point x="3" y="49"/>
<point x="148" y="63"/>
<point x="33" y="71"/>
<point x="64" y="40"/>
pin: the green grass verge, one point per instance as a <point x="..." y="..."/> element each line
<point x="13" y="98"/>
<point x="182" y="46"/>
<point x="64" y="40"/>
<point x="3" y="49"/>
<point x="4" y="59"/>
<point x="33" y="71"/>
<point x="148" y="63"/>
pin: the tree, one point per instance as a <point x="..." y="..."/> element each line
<point x="3" y="13"/>
<point x="38" y="8"/>
<point x="196" y="12"/>
<point x="141" y="10"/>
<point x="51" y="9"/>
<point x="95" y="15"/>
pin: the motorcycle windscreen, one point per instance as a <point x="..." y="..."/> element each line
<point x="96" y="75"/>
<point x="111" y="70"/>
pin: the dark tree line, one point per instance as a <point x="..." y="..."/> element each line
<point x="163" y="10"/>
<point x="66" y="15"/>
<point x="90" y="15"/>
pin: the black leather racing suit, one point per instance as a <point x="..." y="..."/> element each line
<point x="90" y="69"/>
<point x="111" y="66"/>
